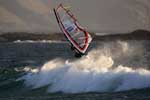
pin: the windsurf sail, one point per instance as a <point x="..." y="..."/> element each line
<point x="77" y="36"/>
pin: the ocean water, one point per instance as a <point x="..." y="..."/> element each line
<point x="43" y="70"/>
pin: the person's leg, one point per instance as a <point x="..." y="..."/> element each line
<point x="78" y="54"/>
<point x="72" y="47"/>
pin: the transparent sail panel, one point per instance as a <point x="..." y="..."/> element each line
<point x="69" y="24"/>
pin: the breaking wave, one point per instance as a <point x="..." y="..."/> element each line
<point x="96" y="72"/>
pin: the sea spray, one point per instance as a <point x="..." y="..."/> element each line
<point x="92" y="73"/>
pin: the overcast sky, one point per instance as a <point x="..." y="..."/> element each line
<point x="95" y="15"/>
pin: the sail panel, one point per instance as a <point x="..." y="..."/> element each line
<point x="77" y="36"/>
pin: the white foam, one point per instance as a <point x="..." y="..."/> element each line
<point x="95" y="73"/>
<point x="39" y="41"/>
